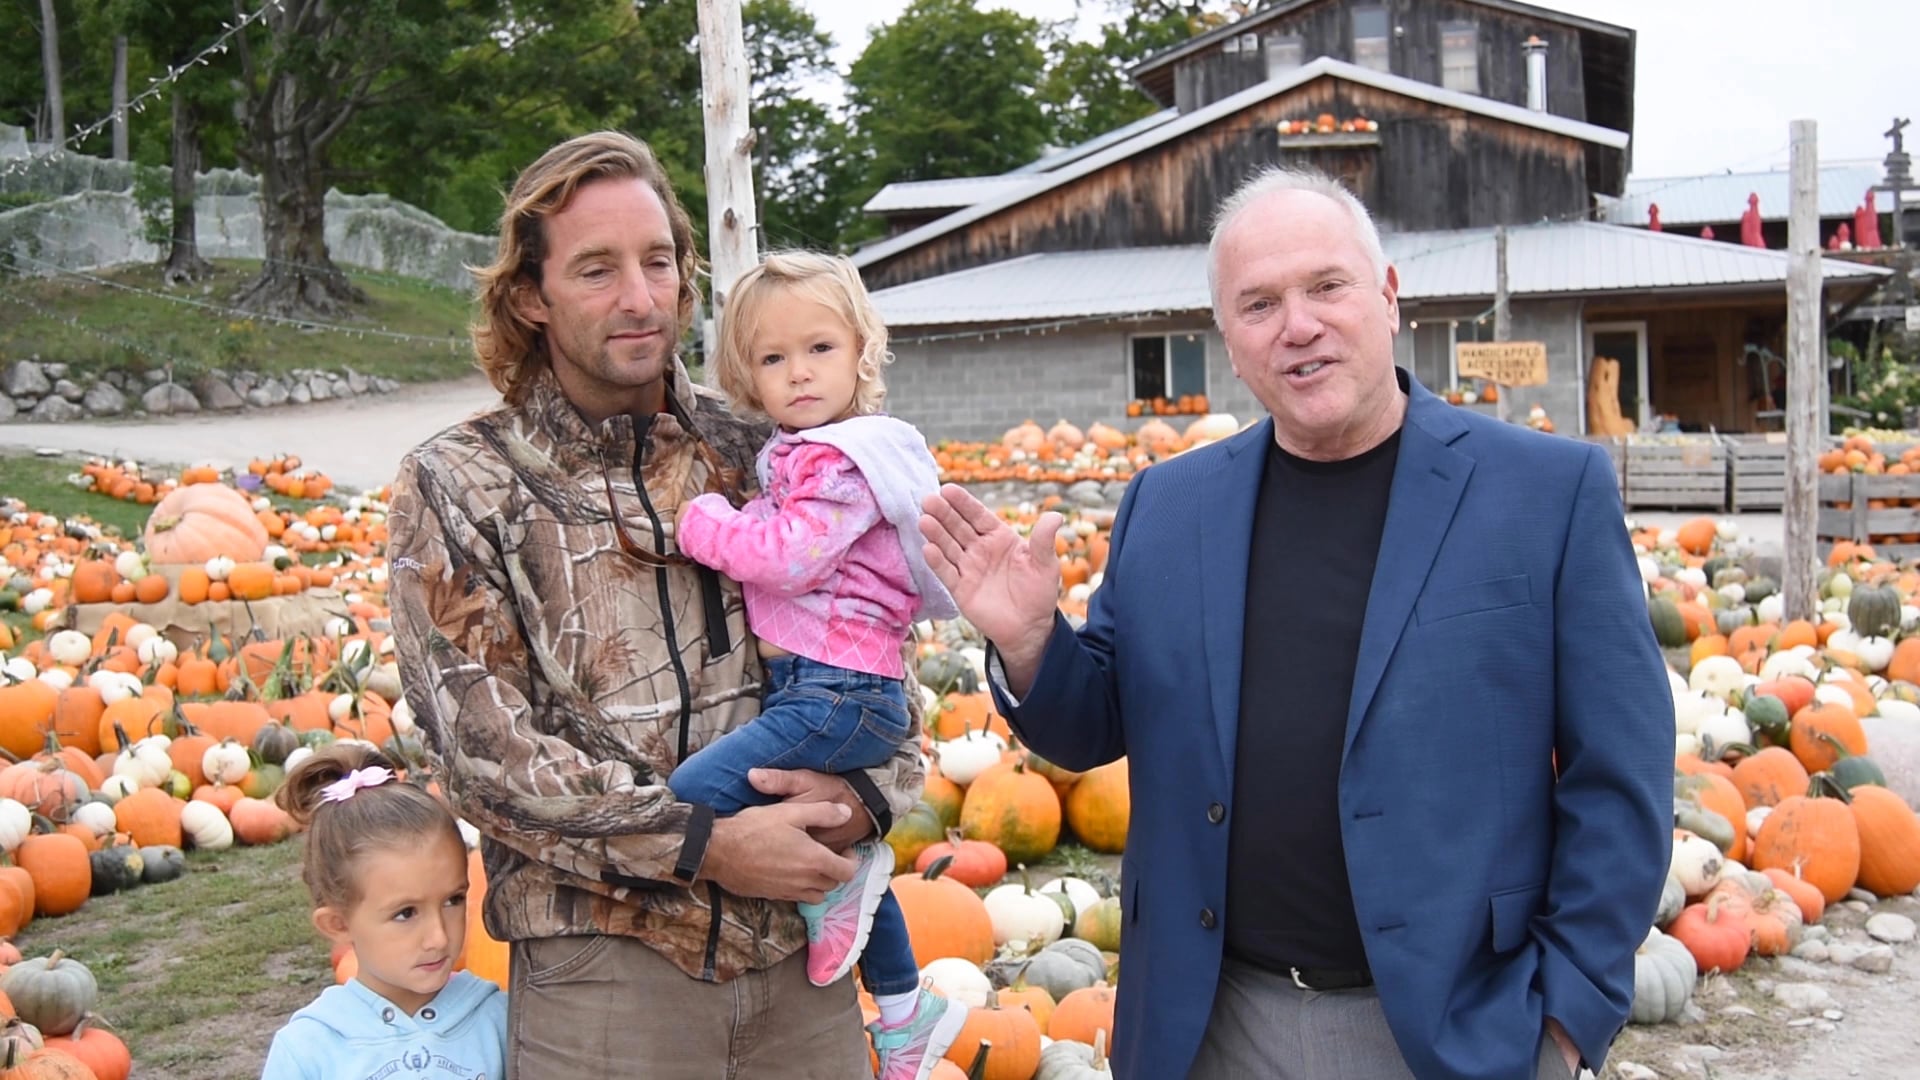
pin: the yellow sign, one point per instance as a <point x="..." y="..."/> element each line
<point x="1508" y="363"/>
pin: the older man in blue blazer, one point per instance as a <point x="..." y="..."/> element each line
<point x="1399" y="734"/>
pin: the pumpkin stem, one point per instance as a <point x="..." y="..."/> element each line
<point x="9" y="755"/>
<point x="938" y="867"/>
<point x="1825" y="784"/>
<point x="1099" y="1049"/>
<point x="978" y="1070"/>
<point x="1839" y="748"/>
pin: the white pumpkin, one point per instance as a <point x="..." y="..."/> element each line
<point x="1696" y="862"/>
<point x="968" y="756"/>
<point x="226" y="762"/>
<point x="157" y="650"/>
<point x="1716" y="675"/>
<point x="19" y="669"/>
<point x="340" y="707"/>
<point x="1676" y="682"/>
<point x="1757" y="817"/>
<point x="1909" y="616"/>
<point x="145" y="762"/>
<point x="1686" y="744"/>
<point x="1895" y="709"/>
<point x="1649" y="569"/>
<point x="36" y="601"/>
<point x="468" y="834"/>
<point x="1020" y="915"/>
<point x="1771" y="608"/>
<point x="1839" y="586"/>
<point x="1829" y="694"/>
<point x="300" y="754"/>
<point x="1690" y="710"/>
<point x="1733" y="593"/>
<point x="1725" y="729"/>
<point x="1080" y="892"/>
<point x="1875" y="652"/>
<point x="130" y="565"/>
<point x="96" y="816"/>
<point x="354" y="653"/>
<point x="16" y="823"/>
<point x="117" y="787"/>
<point x="401" y="717"/>
<point x="57" y="677"/>
<point x="1691" y="575"/>
<point x="958" y="979"/>
<point x="219" y="567"/>
<point x="1788" y="662"/>
<point x="205" y="827"/>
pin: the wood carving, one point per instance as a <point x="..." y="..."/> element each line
<point x="1603" y="399"/>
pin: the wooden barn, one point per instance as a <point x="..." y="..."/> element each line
<point x="1077" y="284"/>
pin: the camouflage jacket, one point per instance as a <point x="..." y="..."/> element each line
<point x="559" y="679"/>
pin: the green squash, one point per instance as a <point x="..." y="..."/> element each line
<point x="1853" y="771"/>
<point x="1664" y="973"/>
<point x="913" y="832"/>
<point x="116" y="869"/>
<point x="1874" y="610"/>
<point x="1709" y="825"/>
<point x="161" y="862"/>
<point x="1673" y="899"/>
<point x="1727" y="620"/>
<point x="1759" y="587"/>
<point x="315" y="739"/>
<point x="275" y="742"/>
<point x="1723" y="571"/>
<point x="947" y="672"/>
<point x="1767" y="715"/>
<point x="1669" y="626"/>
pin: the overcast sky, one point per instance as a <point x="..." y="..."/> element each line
<point x="1716" y="81"/>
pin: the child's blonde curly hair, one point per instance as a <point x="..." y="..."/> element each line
<point x="829" y="280"/>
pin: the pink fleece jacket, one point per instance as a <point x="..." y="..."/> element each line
<point x="823" y="571"/>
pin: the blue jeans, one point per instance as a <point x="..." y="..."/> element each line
<point x="828" y="719"/>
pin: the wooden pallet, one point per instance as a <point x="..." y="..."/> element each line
<point x="1846" y="513"/>
<point x="1688" y="475"/>
<point x="1756" y="471"/>
<point x="1616" y="448"/>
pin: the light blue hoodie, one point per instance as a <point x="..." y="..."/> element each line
<point x="352" y="1033"/>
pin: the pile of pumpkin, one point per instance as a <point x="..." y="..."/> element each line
<point x="1779" y="808"/>
<point x="48" y="1029"/>
<point x="1036" y="964"/>
<point x="130" y="481"/>
<point x="1064" y="454"/>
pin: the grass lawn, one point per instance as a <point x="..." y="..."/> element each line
<point x="196" y="974"/>
<point x="138" y="331"/>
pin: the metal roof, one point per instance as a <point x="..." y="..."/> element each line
<point x="944" y="194"/>
<point x="962" y="191"/>
<point x="1577" y="258"/>
<point x="1721" y="197"/>
<point x="1163" y="133"/>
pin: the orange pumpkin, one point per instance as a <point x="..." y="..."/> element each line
<point x="196" y="522"/>
<point x="1889" y="841"/>
<point x="100" y="1050"/>
<point x="1100" y="807"/>
<point x="93" y="581"/>
<point x="485" y="956"/>
<point x="1083" y="1013"/>
<point x="26" y="709"/>
<point x="1013" y="809"/>
<point x="944" y="918"/>
<point x="1765" y="778"/>
<point x="1818" y="728"/>
<point x="1012" y="1031"/>
<point x="259" y="821"/>
<point x="150" y="816"/>
<point x="62" y="874"/>
<point x="1813" y="836"/>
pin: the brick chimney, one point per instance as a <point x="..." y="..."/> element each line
<point x="1536" y="51"/>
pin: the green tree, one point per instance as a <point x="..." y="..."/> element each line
<point x="797" y="179"/>
<point x="1087" y="92"/>
<point x="946" y="90"/>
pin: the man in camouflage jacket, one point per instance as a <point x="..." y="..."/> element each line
<point x="562" y="658"/>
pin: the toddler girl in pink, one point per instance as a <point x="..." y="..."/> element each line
<point x="829" y="557"/>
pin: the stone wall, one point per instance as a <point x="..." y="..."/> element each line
<point x="93" y="221"/>
<point x="30" y="390"/>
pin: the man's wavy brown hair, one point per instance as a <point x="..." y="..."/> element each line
<point x="506" y="345"/>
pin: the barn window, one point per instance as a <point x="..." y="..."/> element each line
<point x="1285" y="52"/>
<point x="1460" y="57"/>
<point x="1169" y="365"/>
<point x="1370" y="37"/>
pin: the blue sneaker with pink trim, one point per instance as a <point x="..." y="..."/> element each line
<point x="910" y="1051"/>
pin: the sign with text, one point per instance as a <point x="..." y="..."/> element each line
<point x="1508" y="363"/>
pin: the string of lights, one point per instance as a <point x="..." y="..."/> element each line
<point x="154" y="86"/>
<point x="142" y="348"/>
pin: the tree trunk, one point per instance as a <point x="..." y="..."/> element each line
<point x="120" y="98"/>
<point x="299" y="279"/>
<point x="50" y="62"/>
<point x="184" y="263"/>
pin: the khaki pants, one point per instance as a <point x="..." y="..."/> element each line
<point x="590" y="1008"/>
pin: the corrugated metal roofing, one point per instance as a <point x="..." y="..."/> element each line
<point x="1697" y="200"/>
<point x="1577" y="258"/>
<point x="944" y="194"/>
<point x="1324" y="66"/>
<point x="1099" y="142"/>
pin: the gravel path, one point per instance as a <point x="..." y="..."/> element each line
<point x="358" y="442"/>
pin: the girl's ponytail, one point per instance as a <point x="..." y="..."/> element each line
<point x="351" y="800"/>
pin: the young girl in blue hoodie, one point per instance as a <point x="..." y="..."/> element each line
<point x="388" y="873"/>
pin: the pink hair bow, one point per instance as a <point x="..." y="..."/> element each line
<point x="344" y="788"/>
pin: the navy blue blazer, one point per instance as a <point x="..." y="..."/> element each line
<point x="1506" y="623"/>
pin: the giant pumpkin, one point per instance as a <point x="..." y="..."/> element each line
<point x="199" y="521"/>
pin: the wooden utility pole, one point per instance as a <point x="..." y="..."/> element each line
<point x="724" y="82"/>
<point x="1502" y="316"/>
<point x="50" y="63"/>
<point x="1806" y="376"/>
<point x="120" y="98"/>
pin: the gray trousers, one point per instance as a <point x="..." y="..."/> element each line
<point x="591" y="1008"/>
<point x="1264" y="1027"/>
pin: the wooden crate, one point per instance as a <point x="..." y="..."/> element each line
<point x="1692" y="474"/>
<point x="1846" y="513"/>
<point x="1756" y="471"/>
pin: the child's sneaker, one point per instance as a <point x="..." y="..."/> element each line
<point x="837" y="927"/>
<point x="910" y="1051"/>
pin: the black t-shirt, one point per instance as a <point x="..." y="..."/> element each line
<point x="1316" y="535"/>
